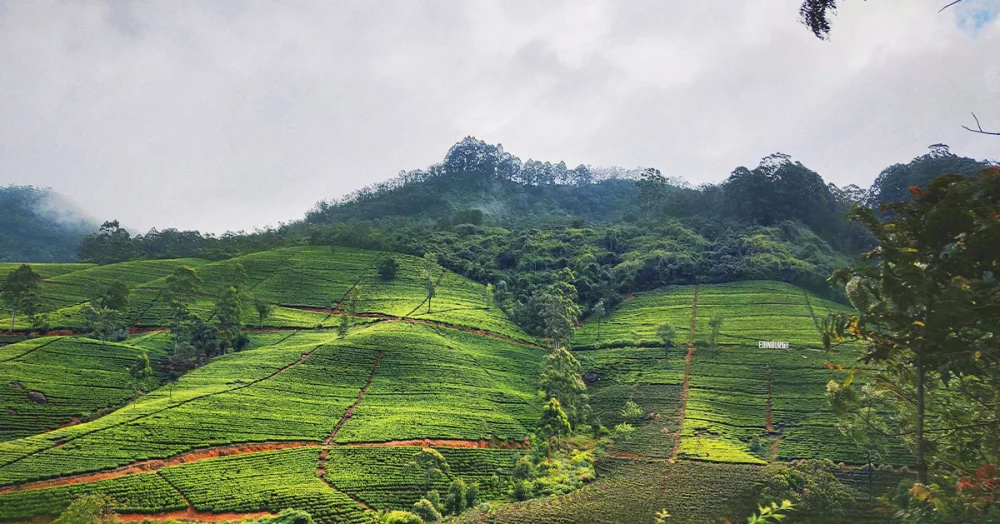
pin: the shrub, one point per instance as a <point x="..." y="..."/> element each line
<point x="387" y="268"/>
<point x="631" y="411"/>
<point x="522" y="490"/>
<point x="454" y="502"/>
<point x="401" y="517"/>
<point x="425" y="509"/>
<point x="289" y="516"/>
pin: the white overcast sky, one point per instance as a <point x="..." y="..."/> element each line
<point x="234" y="115"/>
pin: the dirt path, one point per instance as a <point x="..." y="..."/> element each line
<point x="687" y="379"/>
<point x="147" y="466"/>
<point x="350" y="411"/>
<point x="187" y="457"/>
<point x="193" y="514"/>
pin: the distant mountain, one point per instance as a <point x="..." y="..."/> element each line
<point x="40" y="225"/>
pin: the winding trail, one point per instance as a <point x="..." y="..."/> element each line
<point x="687" y="379"/>
<point x="193" y="514"/>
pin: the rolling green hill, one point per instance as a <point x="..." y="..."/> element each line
<point x="308" y="419"/>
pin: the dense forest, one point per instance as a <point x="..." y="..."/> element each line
<point x="39" y="225"/>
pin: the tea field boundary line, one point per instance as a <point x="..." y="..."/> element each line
<point x="812" y="313"/>
<point x="34" y="349"/>
<point x="421" y="304"/>
<point x="297" y="361"/>
<point x="361" y="395"/>
<point x="152" y="303"/>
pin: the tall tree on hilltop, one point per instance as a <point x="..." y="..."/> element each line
<point x="559" y="310"/>
<point x="112" y="244"/>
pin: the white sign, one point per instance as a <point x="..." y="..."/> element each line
<point x="772" y="344"/>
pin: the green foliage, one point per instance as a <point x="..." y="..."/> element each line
<point x="20" y="292"/>
<point x="89" y="509"/>
<point x="263" y="309"/>
<point x="558" y="309"/>
<point x="399" y="517"/>
<point x="772" y="513"/>
<point x="715" y="326"/>
<point x="39" y="225"/>
<point x="665" y="332"/>
<point x="624" y="431"/>
<point x="289" y="516"/>
<point x="560" y="380"/>
<point x="925" y="296"/>
<point x="425" y="509"/>
<point x="430" y="276"/>
<point x="180" y="291"/>
<point x="387" y="268"/>
<point x="554" y="423"/>
<point x="111" y="244"/>
<point x="430" y="465"/>
<point x="817" y="493"/>
<point x="631" y="411"/>
<point x="455" y="501"/>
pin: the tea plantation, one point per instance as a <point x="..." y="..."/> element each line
<point x="308" y="418"/>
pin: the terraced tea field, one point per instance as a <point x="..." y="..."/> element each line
<point x="51" y="381"/>
<point x="306" y="419"/>
<point x="306" y="284"/>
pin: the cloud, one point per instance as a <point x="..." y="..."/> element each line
<point x="234" y="115"/>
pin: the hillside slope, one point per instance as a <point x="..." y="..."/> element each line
<point x="39" y="225"/>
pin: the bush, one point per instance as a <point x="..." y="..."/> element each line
<point x="425" y="509"/>
<point x="289" y="516"/>
<point x="454" y="502"/>
<point x="522" y="490"/>
<point x="387" y="268"/>
<point x="400" y="517"/>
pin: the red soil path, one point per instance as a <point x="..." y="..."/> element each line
<point x="193" y="514"/>
<point x="687" y="378"/>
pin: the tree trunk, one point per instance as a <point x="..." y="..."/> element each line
<point x="13" y="314"/>
<point x="920" y="451"/>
